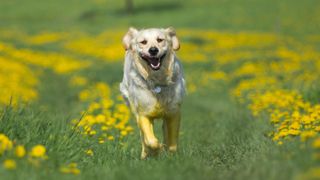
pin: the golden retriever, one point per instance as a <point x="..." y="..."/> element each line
<point x="153" y="85"/>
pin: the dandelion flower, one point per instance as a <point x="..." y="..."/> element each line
<point x="89" y="152"/>
<point x="9" y="164"/>
<point x="101" y="140"/>
<point x="123" y="133"/>
<point x="316" y="143"/>
<point x="111" y="138"/>
<point x="20" y="151"/>
<point x="5" y="143"/>
<point x="70" y="169"/>
<point x="38" y="151"/>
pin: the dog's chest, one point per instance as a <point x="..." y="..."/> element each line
<point x="164" y="101"/>
<point x="158" y="101"/>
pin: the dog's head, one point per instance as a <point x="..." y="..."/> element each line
<point x="151" y="45"/>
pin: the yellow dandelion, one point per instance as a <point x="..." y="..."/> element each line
<point x="70" y="169"/>
<point x="129" y="128"/>
<point x="89" y="152"/>
<point x="124" y="133"/>
<point x="101" y="140"/>
<point x="38" y="151"/>
<point x="307" y="134"/>
<point x="20" y="151"/>
<point x="5" y="143"/>
<point x="9" y="164"/>
<point x="75" y="171"/>
<point x="111" y="138"/>
<point x="104" y="128"/>
<point x="316" y="143"/>
<point x="294" y="125"/>
<point x="293" y="132"/>
<point x="93" y="132"/>
<point x="84" y="95"/>
<point x="78" y="81"/>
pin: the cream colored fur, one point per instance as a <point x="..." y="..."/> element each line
<point x="153" y="94"/>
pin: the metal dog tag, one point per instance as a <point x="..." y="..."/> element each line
<point x="157" y="89"/>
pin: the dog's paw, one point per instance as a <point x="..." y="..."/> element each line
<point x="153" y="144"/>
<point x="172" y="149"/>
<point x="144" y="155"/>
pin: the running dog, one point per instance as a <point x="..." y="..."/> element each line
<point x="153" y="85"/>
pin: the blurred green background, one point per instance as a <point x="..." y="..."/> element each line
<point x="285" y="16"/>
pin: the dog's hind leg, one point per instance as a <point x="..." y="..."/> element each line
<point x="165" y="133"/>
<point x="171" y="126"/>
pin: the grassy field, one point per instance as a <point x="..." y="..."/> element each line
<point x="252" y="109"/>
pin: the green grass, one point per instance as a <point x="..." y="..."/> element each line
<point x="287" y="16"/>
<point x="219" y="139"/>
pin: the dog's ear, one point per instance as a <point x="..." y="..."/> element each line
<point x="126" y="41"/>
<point x="175" y="42"/>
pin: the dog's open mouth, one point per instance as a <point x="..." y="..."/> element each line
<point x="153" y="61"/>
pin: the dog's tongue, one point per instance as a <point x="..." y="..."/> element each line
<point x="155" y="63"/>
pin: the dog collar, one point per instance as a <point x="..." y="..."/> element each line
<point x="157" y="89"/>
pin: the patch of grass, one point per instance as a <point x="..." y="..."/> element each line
<point x="217" y="141"/>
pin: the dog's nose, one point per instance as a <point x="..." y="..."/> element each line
<point x="153" y="51"/>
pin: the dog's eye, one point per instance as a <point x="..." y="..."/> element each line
<point x="144" y="42"/>
<point x="159" y="40"/>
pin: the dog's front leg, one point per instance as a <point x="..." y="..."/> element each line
<point x="171" y="127"/>
<point x="149" y="141"/>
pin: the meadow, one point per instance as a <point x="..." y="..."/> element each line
<point x="252" y="110"/>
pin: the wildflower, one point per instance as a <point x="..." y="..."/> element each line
<point x="123" y="133"/>
<point x="218" y="75"/>
<point x="316" y="143"/>
<point x="70" y="169"/>
<point x="103" y="116"/>
<point x="89" y="152"/>
<point x="283" y="133"/>
<point x="129" y="128"/>
<point x="92" y="132"/>
<point x="293" y="132"/>
<point x="38" y="151"/>
<point x="111" y="138"/>
<point x="312" y="173"/>
<point x="84" y="95"/>
<point x="16" y="80"/>
<point x="78" y="81"/>
<point x="307" y="134"/>
<point x="93" y="106"/>
<point x="9" y="164"/>
<point x="44" y="38"/>
<point x="295" y="125"/>
<point x="296" y="115"/>
<point x="20" y="151"/>
<point x="101" y="140"/>
<point x="5" y="143"/>
<point x="104" y="128"/>
<point x="306" y="119"/>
